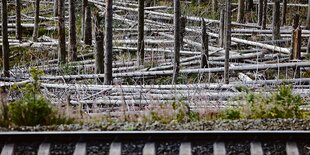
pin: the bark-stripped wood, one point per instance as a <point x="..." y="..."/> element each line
<point x="176" y="21"/>
<point x="276" y="20"/>
<point x="227" y="39"/>
<point x="99" y="48"/>
<point x="88" y="27"/>
<point x="108" y="43"/>
<point x="204" y="46"/>
<point x="36" y="21"/>
<point x="240" y="17"/>
<point x="61" y="33"/>
<point x="72" y="32"/>
<point x="18" y="20"/>
<point x="308" y="17"/>
<point x="284" y="10"/>
<point x="140" y="50"/>
<point x="5" y="42"/>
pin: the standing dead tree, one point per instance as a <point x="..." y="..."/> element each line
<point x="176" y="63"/>
<point x="227" y="25"/>
<point x="221" y="33"/>
<point x="264" y="17"/>
<point x="99" y="47"/>
<point x="72" y="32"/>
<point x="140" y="50"/>
<point x="108" y="43"/>
<point x="36" y="21"/>
<point x="5" y="42"/>
<point x="296" y="43"/>
<point x="61" y="33"/>
<point x="18" y="21"/>
<point x="88" y="27"/>
<point x="308" y="17"/>
<point x="276" y="20"/>
<point x="240" y="17"/>
<point x="284" y="8"/>
<point x="183" y="21"/>
<point x="260" y="12"/>
<point x="204" y="45"/>
<point x="55" y="8"/>
<point x="84" y="5"/>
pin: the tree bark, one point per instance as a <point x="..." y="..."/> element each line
<point x="204" y="46"/>
<point x="227" y="39"/>
<point x="183" y="21"/>
<point x="84" y="5"/>
<point x="284" y="8"/>
<point x="260" y="12"/>
<point x="5" y="42"/>
<point x="308" y="17"/>
<point x="308" y="46"/>
<point x="240" y="18"/>
<point x="140" y="50"/>
<point x="72" y="32"/>
<point x="296" y="48"/>
<point x="88" y="27"/>
<point x="276" y="20"/>
<point x="108" y="43"/>
<point x="250" y="5"/>
<point x="61" y="33"/>
<point x="264" y="17"/>
<point x="55" y="8"/>
<point x="36" y="21"/>
<point x="18" y="21"/>
<point x="176" y="63"/>
<point x="221" y="34"/>
<point x="99" y="48"/>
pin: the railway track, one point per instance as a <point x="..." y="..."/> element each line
<point x="156" y="142"/>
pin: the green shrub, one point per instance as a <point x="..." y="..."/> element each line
<point x="32" y="108"/>
<point x="230" y="113"/>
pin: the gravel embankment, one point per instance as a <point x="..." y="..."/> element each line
<point x="264" y="124"/>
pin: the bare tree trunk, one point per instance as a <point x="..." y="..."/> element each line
<point x="99" y="48"/>
<point x="55" y="8"/>
<point x="296" y="48"/>
<point x="221" y="35"/>
<point x="61" y="33"/>
<point x="308" y="17"/>
<point x="240" y="17"/>
<point x="36" y="21"/>
<point x="88" y="27"/>
<point x="176" y="63"/>
<point x="204" y="46"/>
<point x="18" y="21"/>
<point x="260" y="12"/>
<point x="72" y="32"/>
<point x="214" y="6"/>
<point x="5" y="42"/>
<point x="227" y="39"/>
<point x="308" y="46"/>
<point x="276" y="20"/>
<point x="295" y="21"/>
<point x="183" y="21"/>
<point x="84" y="5"/>
<point x="108" y="43"/>
<point x="264" y="19"/>
<point x="284" y="8"/>
<point x="140" y="50"/>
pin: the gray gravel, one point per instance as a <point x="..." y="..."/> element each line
<point x="264" y="124"/>
<point x="135" y="148"/>
<point x="26" y="149"/>
<point x="304" y="148"/>
<point x="62" y="148"/>
<point x="199" y="148"/>
<point x="98" y="148"/>
<point x="240" y="148"/>
<point x="168" y="148"/>
<point x="274" y="148"/>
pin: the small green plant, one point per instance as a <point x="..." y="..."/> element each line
<point x="231" y="114"/>
<point x="33" y="108"/>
